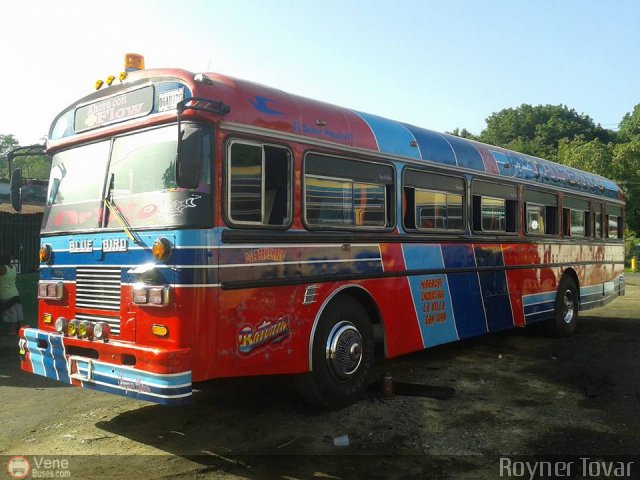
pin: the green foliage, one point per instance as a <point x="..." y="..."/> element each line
<point x="7" y="143"/>
<point x="464" y="133"/>
<point x="34" y="167"/>
<point x="593" y="156"/>
<point x="630" y="242"/>
<point x="538" y="130"/>
<point x="630" y="125"/>
<point x="625" y="170"/>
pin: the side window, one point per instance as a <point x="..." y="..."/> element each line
<point x="433" y="201"/>
<point x="597" y="220"/>
<point x="345" y="193"/>
<point x="258" y="184"/>
<point x="575" y="217"/>
<point x="495" y="207"/>
<point x="541" y="213"/>
<point x="535" y="219"/>
<point x="614" y="221"/>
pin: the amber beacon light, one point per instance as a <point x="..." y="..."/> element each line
<point x="133" y="62"/>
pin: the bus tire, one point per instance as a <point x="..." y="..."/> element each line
<point x="342" y="354"/>
<point x="565" y="320"/>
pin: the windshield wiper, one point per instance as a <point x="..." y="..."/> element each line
<point x="113" y="209"/>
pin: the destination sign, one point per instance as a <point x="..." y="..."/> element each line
<point x="114" y="109"/>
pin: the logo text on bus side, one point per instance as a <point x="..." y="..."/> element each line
<point x="268" y="332"/>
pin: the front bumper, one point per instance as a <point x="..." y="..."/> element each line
<point x="163" y="378"/>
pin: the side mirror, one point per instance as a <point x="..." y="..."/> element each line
<point x="189" y="162"/>
<point x="16" y="189"/>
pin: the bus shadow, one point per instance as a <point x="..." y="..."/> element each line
<point x="519" y="385"/>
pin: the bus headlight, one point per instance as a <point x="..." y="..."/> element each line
<point x="101" y="331"/>
<point x="72" y="327"/>
<point x="151" y="296"/>
<point x="61" y="325"/>
<point x="51" y="290"/>
<point x="85" y="329"/>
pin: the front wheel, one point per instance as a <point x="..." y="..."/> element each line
<point x="565" y="319"/>
<point x="342" y="355"/>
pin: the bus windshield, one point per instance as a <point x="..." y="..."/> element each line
<point x="136" y="174"/>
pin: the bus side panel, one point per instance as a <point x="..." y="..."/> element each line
<point x="196" y="318"/>
<point x="495" y="292"/>
<point x="396" y="303"/>
<point x="532" y="289"/>
<point x="264" y="330"/>
<point x="466" y="294"/>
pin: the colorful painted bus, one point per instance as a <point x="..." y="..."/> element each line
<point x="199" y="226"/>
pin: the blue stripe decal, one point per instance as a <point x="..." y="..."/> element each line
<point x="392" y="137"/>
<point x="465" y="291"/>
<point x="466" y="153"/>
<point x="134" y="383"/>
<point x="433" y="146"/>
<point x="51" y="362"/>
<point x="538" y="298"/>
<point x="59" y="359"/>
<point x="47" y="356"/>
<point x="138" y="395"/>
<point x="431" y="296"/>
<point x="31" y="336"/>
<point x="495" y="292"/>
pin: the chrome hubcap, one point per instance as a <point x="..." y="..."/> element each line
<point x="568" y="307"/>
<point x="344" y="350"/>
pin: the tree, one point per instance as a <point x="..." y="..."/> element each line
<point x="7" y="143"/>
<point x="630" y="125"/>
<point x="593" y="156"/>
<point x="464" y="133"/>
<point x="625" y="170"/>
<point x="538" y="130"/>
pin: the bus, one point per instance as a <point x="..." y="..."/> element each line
<point x="199" y="226"/>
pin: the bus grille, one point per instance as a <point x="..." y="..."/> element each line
<point x="98" y="288"/>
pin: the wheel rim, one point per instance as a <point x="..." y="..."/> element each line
<point x="344" y="350"/>
<point x="568" y="307"/>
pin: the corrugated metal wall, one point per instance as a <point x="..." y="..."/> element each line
<point x="20" y="237"/>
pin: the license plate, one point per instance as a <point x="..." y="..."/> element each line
<point x="169" y="100"/>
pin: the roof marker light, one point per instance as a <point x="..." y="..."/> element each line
<point x="110" y="79"/>
<point x="99" y="84"/>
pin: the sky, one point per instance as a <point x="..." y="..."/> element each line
<point x="434" y="64"/>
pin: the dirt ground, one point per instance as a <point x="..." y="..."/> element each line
<point x="517" y="393"/>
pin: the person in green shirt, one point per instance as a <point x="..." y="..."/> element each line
<point x="11" y="315"/>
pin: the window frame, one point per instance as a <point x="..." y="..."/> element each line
<point x="617" y="211"/>
<point x="389" y="197"/>
<point x="448" y="191"/>
<point x="573" y="205"/>
<point x="515" y="212"/>
<point x="543" y="214"/>
<point x="597" y="209"/>
<point x="226" y="197"/>
<point x="546" y="200"/>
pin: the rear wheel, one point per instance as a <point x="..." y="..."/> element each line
<point x="342" y="354"/>
<point x="565" y="319"/>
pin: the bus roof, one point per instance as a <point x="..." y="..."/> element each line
<point x="260" y="107"/>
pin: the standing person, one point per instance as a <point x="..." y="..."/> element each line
<point x="11" y="315"/>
